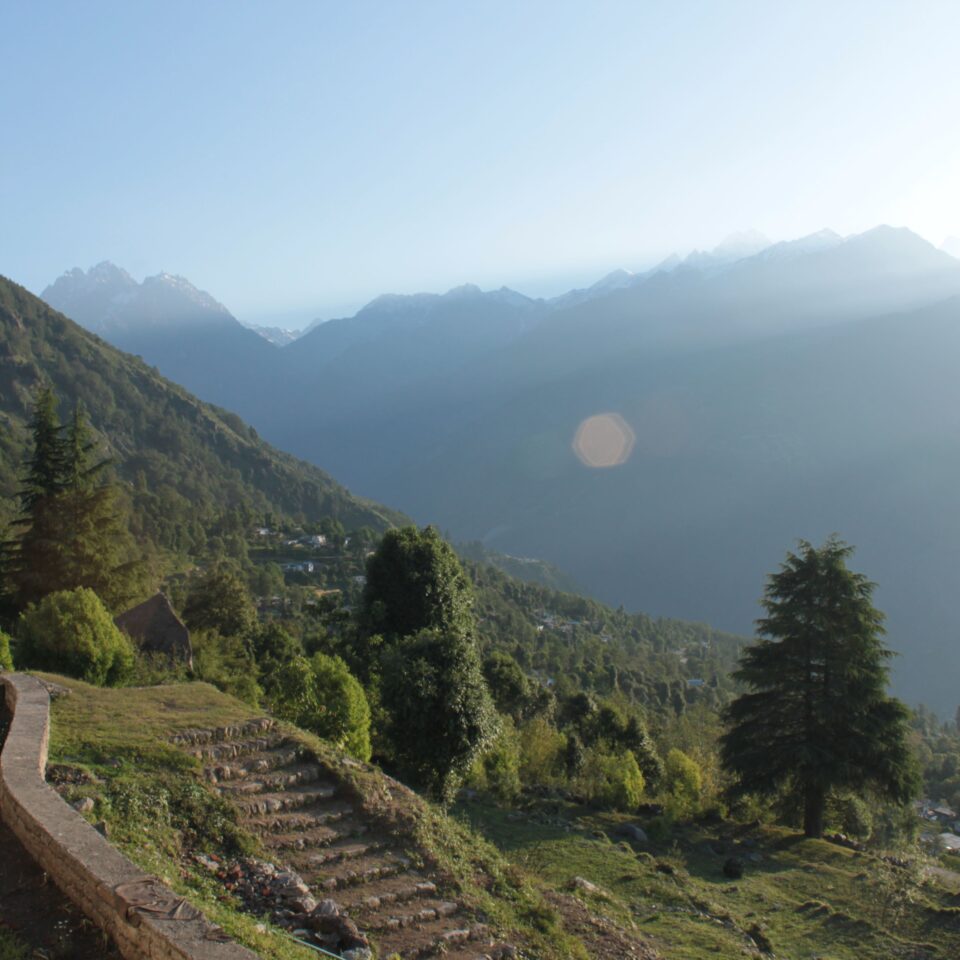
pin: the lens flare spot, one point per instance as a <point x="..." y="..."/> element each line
<point x="604" y="440"/>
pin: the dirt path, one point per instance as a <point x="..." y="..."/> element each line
<point x="39" y="914"/>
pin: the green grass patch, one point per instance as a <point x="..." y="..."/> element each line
<point x="149" y="794"/>
<point x="124" y="718"/>
<point x="799" y="898"/>
<point x="12" y="947"/>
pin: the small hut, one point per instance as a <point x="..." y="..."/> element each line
<point x="155" y="628"/>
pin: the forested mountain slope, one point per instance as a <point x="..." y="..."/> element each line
<point x="185" y="462"/>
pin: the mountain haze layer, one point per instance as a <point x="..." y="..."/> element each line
<point x="183" y="460"/>
<point x="766" y="392"/>
<point x="181" y="330"/>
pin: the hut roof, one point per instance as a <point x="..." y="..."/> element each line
<point x="155" y="628"/>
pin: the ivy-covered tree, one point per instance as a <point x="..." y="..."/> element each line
<point x="817" y="718"/>
<point x="440" y="714"/>
<point x="418" y="644"/>
<point x="415" y="582"/>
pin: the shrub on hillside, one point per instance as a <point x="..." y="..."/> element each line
<point x="72" y="632"/>
<point x="6" y="659"/>
<point x="498" y="768"/>
<point x="227" y="663"/>
<point x="614" y="781"/>
<point x="542" y="753"/>
<point x="321" y="695"/>
<point x="682" y="782"/>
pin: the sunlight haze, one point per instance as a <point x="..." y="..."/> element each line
<point x="297" y="160"/>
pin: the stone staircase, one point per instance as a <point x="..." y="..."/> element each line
<point x="305" y="818"/>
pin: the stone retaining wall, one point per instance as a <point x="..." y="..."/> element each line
<point x="144" y="918"/>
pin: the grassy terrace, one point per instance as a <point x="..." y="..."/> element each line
<point x="801" y="899"/>
<point x="158" y="811"/>
<point x="149" y="795"/>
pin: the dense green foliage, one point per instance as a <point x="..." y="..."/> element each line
<point x="439" y="711"/>
<point x="219" y="600"/>
<point x="71" y="632"/>
<point x="6" y="658"/>
<point x="418" y="646"/>
<point x="415" y="582"/>
<point x="682" y="782"/>
<point x="817" y="718"/>
<point x="321" y="695"/>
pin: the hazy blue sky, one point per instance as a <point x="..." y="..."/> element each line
<point x="298" y="158"/>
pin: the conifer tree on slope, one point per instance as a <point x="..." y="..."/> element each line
<point x="74" y="534"/>
<point x="818" y="718"/>
<point x="37" y="557"/>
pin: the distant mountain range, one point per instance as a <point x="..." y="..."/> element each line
<point x="181" y="330"/>
<point x="279" y="336"/>
<point x="770" y="391"/>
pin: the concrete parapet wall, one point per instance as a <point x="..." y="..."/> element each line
<point x="145" y="919"/>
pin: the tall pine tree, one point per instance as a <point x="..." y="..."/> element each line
<point x="36" y="557"/>
<point x="818" y="718"/>
<point x="74" y="534"/>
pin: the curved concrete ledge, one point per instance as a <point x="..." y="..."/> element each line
<point x="143" y="917"/>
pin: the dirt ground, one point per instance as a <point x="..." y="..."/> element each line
<point x="39" y="914"/>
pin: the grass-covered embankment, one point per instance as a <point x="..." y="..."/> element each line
<point x="149" y="794"/>
<point x="114" y="746"/>
<point x="798" y="898"/>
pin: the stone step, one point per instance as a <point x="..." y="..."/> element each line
<point x="292" y="799"/>
<point x="439" y="937"/>
<point x="233" y="731"/>
<point x="285" y="753"/>
<point x="342" y="850"/>
<point x="345" y="830"/>
<point x="234" y="749"/>
<point x="482" y="948"/>
<point x="372" y="915"/>
<point x="392" y="890"/>
<point x="280" y="779"/>
<point x="304" y="819"/>
<point x="351" y="873"/>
